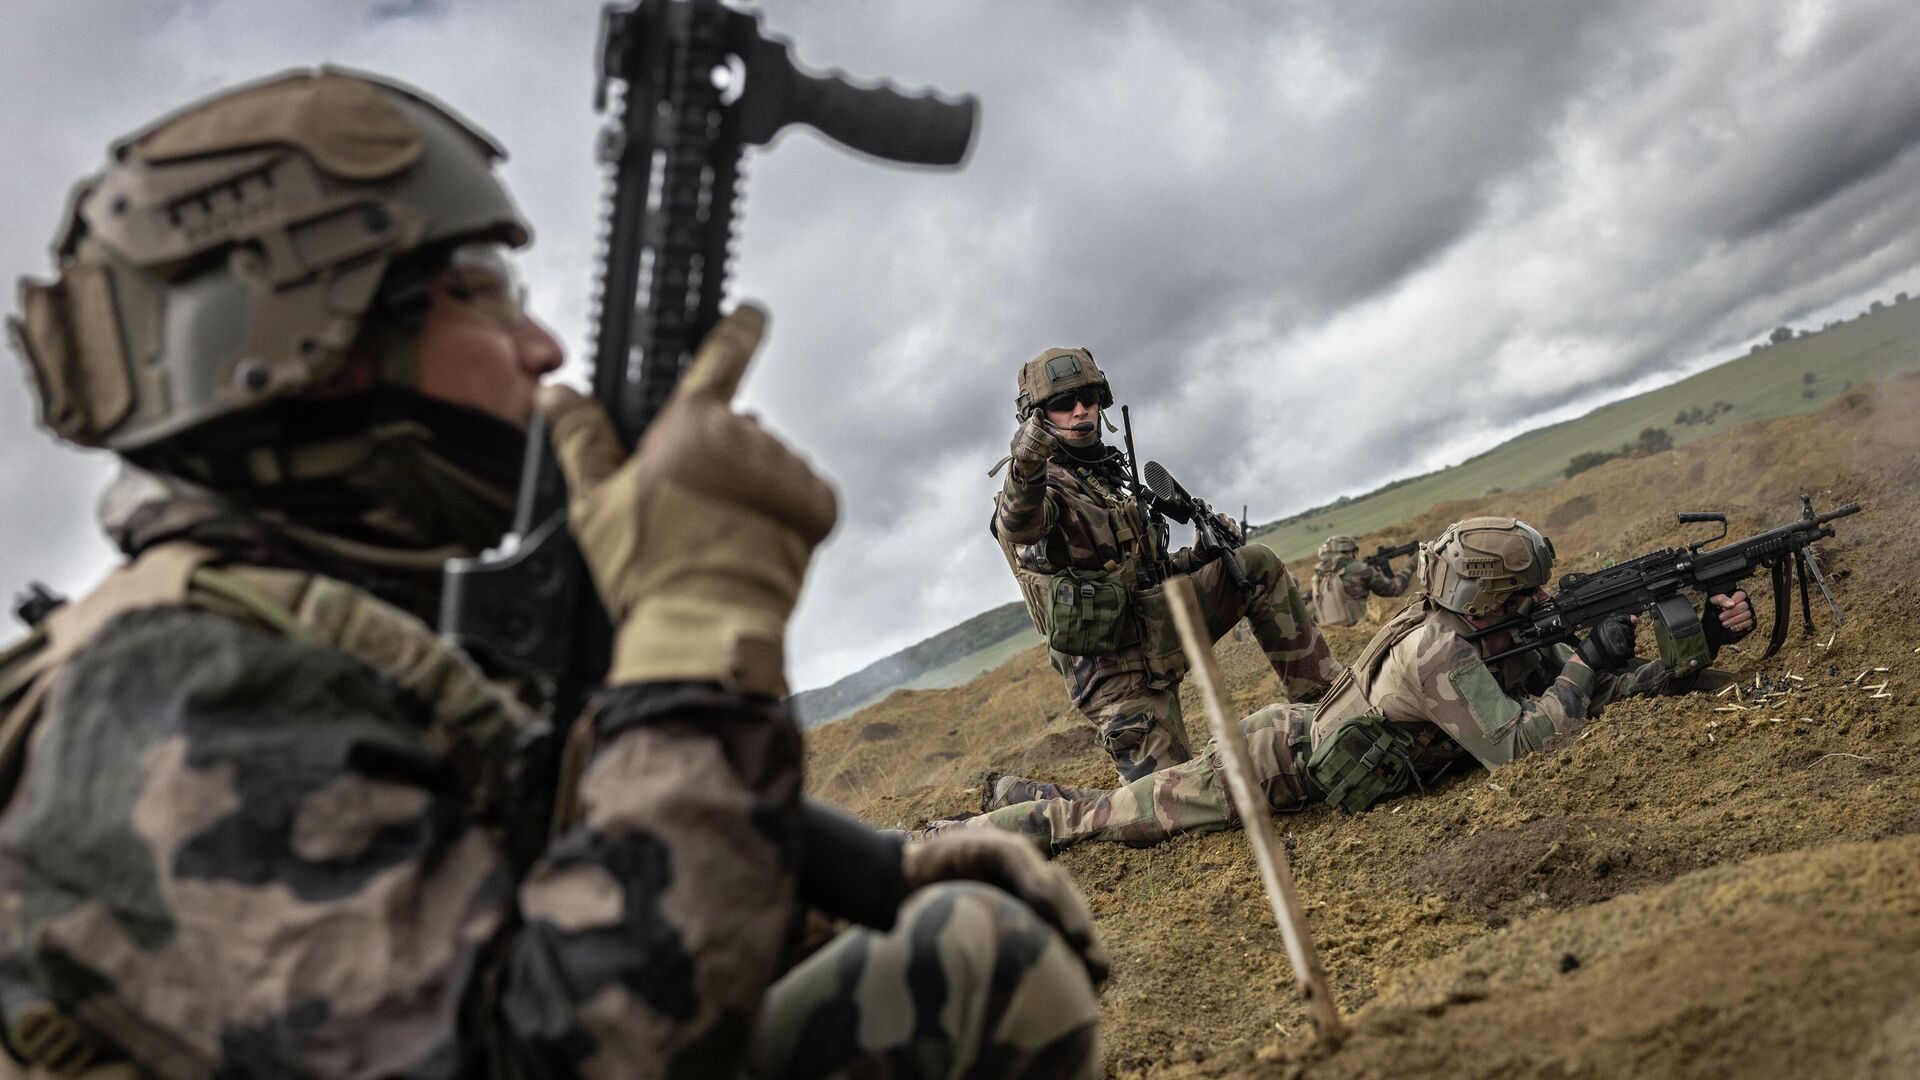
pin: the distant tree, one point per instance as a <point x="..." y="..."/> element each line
<point x="1806" y="378"/>
<point x="1756" y="348"/>
<point x="1681" y="417"/>
<point x="1582" y="462"/>
<point x="1654" y="440"/>
<point x="1876" y="306"/>
<point x="1780" y="334"/>
<point x="1899" y="298"/>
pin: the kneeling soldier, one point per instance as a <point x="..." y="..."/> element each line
<point x="1342" y="581"/>
<point x="1079" y="540"/>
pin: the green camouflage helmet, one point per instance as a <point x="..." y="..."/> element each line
<point x="1057" y="371"/>
<point x="1476" y="564"/>
<point x="1339" y="545"/>
<point x="227" y="255"/>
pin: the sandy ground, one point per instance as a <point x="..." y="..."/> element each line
<point x="1690" y="886"/>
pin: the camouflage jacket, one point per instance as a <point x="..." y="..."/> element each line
<point x="1338" y="595"/>
<point x="1078" y="514"/>
<point x="254" y="826"/>
<point x="1421" y="672"/>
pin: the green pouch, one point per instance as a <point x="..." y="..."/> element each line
<point x="1682" y="640"/>
<point x="1086" y="613"/>
<point x="1365" y="760"/>
<point x="1159" y="640"/>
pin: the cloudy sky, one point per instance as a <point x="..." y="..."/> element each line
<point x="1317" y="244"/>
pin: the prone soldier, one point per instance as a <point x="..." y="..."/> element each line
<point x="261" y="821"/>
<point x="1342" y="581"/>
<point x="1081" y="544"/>
<point x="1419" y="699"/>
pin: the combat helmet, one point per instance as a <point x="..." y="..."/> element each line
<point x="1057" y="371"/>
<point x="1336" y="546"/>
<point x="1476" y="564"/>
<point x="227" y="255"/>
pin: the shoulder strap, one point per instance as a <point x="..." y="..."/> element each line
<point x="1359" y="675"/>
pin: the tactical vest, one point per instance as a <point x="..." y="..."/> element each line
<point x="1359" y="756"/>
<point x="1332" y="603"/>
<point x="474" y="723"/>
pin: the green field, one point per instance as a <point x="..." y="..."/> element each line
<point x="1772" y="382"/>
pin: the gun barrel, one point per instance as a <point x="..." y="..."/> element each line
<point x="1837" y="512"/>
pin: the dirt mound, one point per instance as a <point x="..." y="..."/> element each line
<point x="1725" y="872"/>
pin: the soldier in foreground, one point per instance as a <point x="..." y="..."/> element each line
<point x="261" y="821"/>
<point x="1079" y="541"/>
<point x="1342" y="581"/>
<point x="1418" y="700"/>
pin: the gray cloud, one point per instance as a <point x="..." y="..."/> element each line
<point x="1316" y="244"/>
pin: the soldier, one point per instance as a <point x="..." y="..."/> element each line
<point x="259" y="821"/>
<point x="1418" y="700"/>
<point x="1342" y="580"/>
<point x="1080" y="545"/>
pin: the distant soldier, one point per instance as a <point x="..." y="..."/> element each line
<point x="1083" y="549"/>
<point x="1342" y="582"/>
<point x="1418" y="700"/>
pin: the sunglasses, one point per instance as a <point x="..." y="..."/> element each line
<point x="1086" y="395"/>
<point x="482" y="277"/>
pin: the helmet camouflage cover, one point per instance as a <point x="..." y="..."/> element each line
<point x="1476" y="564"/>
<point x="1057" y="371"/>
<point x="227" y="255"/>
<point x="1339" y="545"/>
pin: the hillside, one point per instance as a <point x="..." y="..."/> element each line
<point x="1785" y="379"/>
<point x="1691" y="886"/>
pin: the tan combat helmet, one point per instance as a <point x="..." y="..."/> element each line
<point x="1057" y="371"/>
<point x="1476" y="564"/>
<point x="226" y="255"/>
<point x="1335" y="546"/>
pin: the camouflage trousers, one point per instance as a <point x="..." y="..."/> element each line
<point x="969" y="982"/>
<point x="1190" y="797"/>
<point x="1137" y="711"/>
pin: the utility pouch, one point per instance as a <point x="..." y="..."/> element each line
<point x="1366" y="759"/>
<point x="1682" y="640"/>
<point x="1086" y="613"/>
<point x="1159" y="640"/>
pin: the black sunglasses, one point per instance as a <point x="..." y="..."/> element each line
<point x="1086" y="395"/>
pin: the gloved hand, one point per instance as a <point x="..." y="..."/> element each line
<point x="1032" y="445"/>
<point x="1230" y="528"/>
<point x="1725" y="620"/>
<point x="1609" y="645"/>
<point x="697" y="542"/>
<point x="1012" y="865"/>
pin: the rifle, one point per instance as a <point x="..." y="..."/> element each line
<point x="1657" y="582"/>
<point x="687" y="86"/>
<point x="1209" y="536"/>
<point x="1382" y="556"/>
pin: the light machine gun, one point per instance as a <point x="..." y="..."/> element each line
<point x="1658" y="582"/>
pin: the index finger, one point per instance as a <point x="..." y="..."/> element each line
<point x="723" y="357"/>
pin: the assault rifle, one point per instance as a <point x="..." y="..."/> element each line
<point x="687" y="86"/>
<point x="1658" y="581"/>
<point x="1210" y="538"/>
<point x="1383" y="555"/>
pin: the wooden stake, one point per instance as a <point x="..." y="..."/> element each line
<point x="1267" y="852"/>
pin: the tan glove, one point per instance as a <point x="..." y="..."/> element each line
<point x="698" y="542"/>
<point x="1032" y="445"/>
<point x="1013" y="866"/>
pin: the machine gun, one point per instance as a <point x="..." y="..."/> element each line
<point x="1210" y="537"/>
<point x="1658" y="582"/>
<point x="687" y="86"/>
<point x="1382" y="556"/>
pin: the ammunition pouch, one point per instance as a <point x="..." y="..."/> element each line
<point x="1087" y="613"/>
<point x="1366" y="759"/>
<point x="1681" y="637"/>
<point x="1159" y="640"/>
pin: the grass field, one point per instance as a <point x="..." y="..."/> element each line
<point x="1760" y="386"/>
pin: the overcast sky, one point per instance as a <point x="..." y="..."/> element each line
<point x="1316" y="245"/>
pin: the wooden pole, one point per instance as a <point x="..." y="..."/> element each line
<point x="1267" y="852"/>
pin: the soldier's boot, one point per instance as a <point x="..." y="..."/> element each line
<point x="1004" y="789"/>
<point x="969" y="982"/>
<point x="1281" y="622"/>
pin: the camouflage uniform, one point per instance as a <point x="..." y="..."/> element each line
<point x="258" y="820"/>
<point x="1079" y="514"/>
<point x="1429" y="681"/>
<point x="1342" y="583"/>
